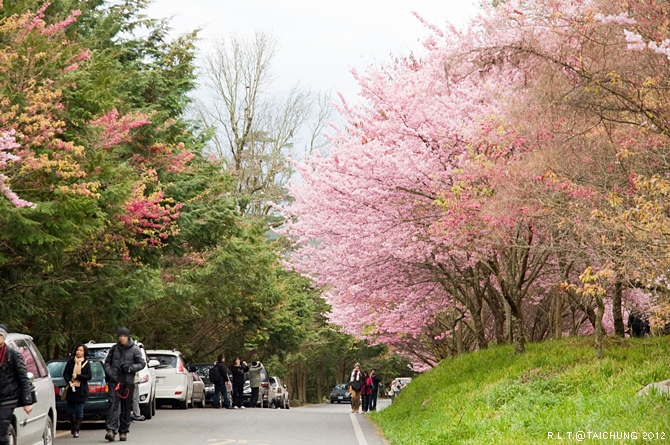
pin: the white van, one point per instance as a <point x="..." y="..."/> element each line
<point x="38" y="427"/>
<point x="147" y="375"/>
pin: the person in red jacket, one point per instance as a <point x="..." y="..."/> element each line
<point x="366" y="392"/>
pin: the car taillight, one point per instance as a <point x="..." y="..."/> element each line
<point x="57" y="390"/>
<point x="180" y="368"/>
<point x="264" y="384"/>
<point x="279" y="391"/>
<point x="96" y="389"/>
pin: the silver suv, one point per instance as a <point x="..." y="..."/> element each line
<point x="38" y="427"/>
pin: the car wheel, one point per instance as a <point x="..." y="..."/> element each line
<point x="48" y="434"/>
<point x="12" y="435"/>
<point x="146" y="410"/>
<point x="332" y="401"/>
<point x="287" y="404"/>
<point x="183" y="405"/>
<point x="153" y="406"/>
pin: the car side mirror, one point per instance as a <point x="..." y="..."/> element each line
<point x="154" y="364"/>
<point x="31" y="377"/>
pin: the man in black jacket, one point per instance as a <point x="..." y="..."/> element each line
<point x="15" y="388"/>
<point x="123" y="360"/>
<point x="376" y="381"/>
<point x="220" y="384"/>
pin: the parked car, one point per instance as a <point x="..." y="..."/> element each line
<point x="198" y="398"/>
<point x="340" y="393"/>
<point x="279" y="397"/>
<point x="147" y="375"/>
<point x="96" y="406"/>
<point x="38" y="427"/>
<point x="404" y="381"/>
<point x="263" y="391"/>
<point x="174" y="383"/>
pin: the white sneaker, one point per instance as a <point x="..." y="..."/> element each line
<point x="234" y="407"/>
<point x="243" y="407"/>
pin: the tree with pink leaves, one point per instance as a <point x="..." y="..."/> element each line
<point x="498" y="150"/>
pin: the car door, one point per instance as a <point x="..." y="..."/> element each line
<point x="30" y="428"/>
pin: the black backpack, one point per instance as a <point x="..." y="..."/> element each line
<point x="215" y="374"/>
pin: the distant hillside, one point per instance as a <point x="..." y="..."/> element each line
<point x="557" y="387"/>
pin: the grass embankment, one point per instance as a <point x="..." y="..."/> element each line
<point x="557" y="387"/>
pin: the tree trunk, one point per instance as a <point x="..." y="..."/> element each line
<point x="558" y="316"/>
<point x="619" y="328"/>
<point x="519" y="339"/>
<point x="319" y="384"/>
<point x="600" y="331"/>
<point x="508" y="325"/>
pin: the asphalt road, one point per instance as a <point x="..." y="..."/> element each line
<point x="324" y="424"/>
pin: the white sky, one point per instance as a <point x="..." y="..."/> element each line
<point x="319" y="41"/>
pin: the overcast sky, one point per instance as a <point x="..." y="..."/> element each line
<point x="320" y="41"/>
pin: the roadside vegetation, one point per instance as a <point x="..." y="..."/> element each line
<point x="495" y="397"/>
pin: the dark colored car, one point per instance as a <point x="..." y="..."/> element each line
<point x="202" y="369"/>
<point x="95" y="407"/>
<point x="340" y="393"/>
<point x="263" y="391"/>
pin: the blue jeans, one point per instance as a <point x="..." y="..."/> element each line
<point x="220" y="388"/>
<point x="75" y="409"/>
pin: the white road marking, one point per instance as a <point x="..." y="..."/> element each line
<point x="358" y="430"/>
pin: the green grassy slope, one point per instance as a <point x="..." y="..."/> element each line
<point x="495" y="397"/>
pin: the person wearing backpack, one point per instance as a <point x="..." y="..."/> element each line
<point x="218" y="375"/>
<point x="123" y="360"/>
<point x="355" y="386"/>
<point x="15" y="388"/>
<point x="77" y="373"/>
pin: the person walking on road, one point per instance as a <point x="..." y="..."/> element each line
<point x="376" y="384"/>
<point x="366" y="392"/>
<point x="15" y="388"/>
<point x="355" y="386"/>
<point x="218" y="375"/>
<point x="255" y="382"/>
<point x="238" y="371"/>
<point x="77" y="373"/>
<point x="123" y="360"/>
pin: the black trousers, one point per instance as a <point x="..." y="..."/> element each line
<point x="120" y="408"/>
<point x="254" y="398"/>
<point x="238" y="388"/>
<point x="365" y="401"/>
<point x="5" y="419"/>
<point x="373" y="399"/>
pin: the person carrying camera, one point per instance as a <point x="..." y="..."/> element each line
<point x="123" y="360"/>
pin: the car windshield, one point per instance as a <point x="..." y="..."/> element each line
<point x="56" y="369"/>
<point x="166" y="361"/>
<point x="100" y="353"/>
<point x="203" y="370"/>
<point x="341" y="386"/>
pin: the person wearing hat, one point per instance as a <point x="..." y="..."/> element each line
<point x="123" y="360"/>
<point x="15" y="388"/>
